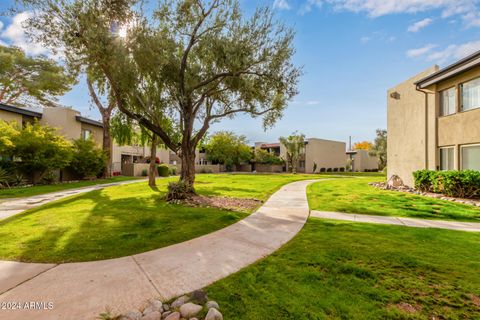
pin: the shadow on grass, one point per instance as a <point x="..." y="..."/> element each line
<point x="106" y="228"/>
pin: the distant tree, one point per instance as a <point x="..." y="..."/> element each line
<point x="379" y="148"/>
<point x="190" y="64"/>
<point x="295" y="145"/>
<point x="364" y="145"/>
<point x="227" y="148"/>
<point x="88" y="160"/>
<point x="265" y="157"/>
<point x="31" y="81"/>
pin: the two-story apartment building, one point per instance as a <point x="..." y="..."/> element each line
<point x="434" y="120"/>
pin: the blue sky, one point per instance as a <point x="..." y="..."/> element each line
<point x="352" y="51"/>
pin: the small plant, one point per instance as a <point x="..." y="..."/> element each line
<point x="329" y="169"/>
<point x="163" y="170"/>
<point x="177" y="191"/>
<point x="144" y="172"/>
<point x="17" y="180"/>
<point x="4" y="178"/>
<point x="314" y="167"/>
<point x="323" y="169"/>
<point x="49" y="177"/>
<point x="342" y="169"/>
<point x="173" y="171"/>
<point x="335" y="169"/>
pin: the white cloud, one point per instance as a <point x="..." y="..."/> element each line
<point x="365" y="39"/>
<point x="309" y="5"/>
<point x="454" y="52"/>
<point x="281" y="4"/>
<point x="15" y="35"/>
<point x="312" y="102"/>
<point x="417" y="26"/>
<point x="414" y="53"/>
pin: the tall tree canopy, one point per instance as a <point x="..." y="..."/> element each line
<point x="192" y="63"/>
<point x="31" y="81"/>
<point x="295" y="146"/>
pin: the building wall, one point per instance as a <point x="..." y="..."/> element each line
<point x="462" y="127"/>
<point x="363" y="161"/>
<point x="325" y="153"/>
<point x="10" y="117"/>
<point x="97" y="133"/>
<point x="64" y="120"/>
<point x="407" y="129"/>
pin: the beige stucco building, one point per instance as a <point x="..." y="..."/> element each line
<point x="362" y="161"/>
<point x="434" y="120"/>
<point x="325" y="154"/>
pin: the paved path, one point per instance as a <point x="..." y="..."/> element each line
<point x="408" y="222"/>
<point x="83" y="290"/>
<point x="10" y="207"/>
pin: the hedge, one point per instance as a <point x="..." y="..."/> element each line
<point x="163" y="170"/>
<point x="460" y="184"/>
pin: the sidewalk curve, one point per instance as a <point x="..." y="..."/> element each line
<point x="401" y="221"/>
<point x="83" y="290"/>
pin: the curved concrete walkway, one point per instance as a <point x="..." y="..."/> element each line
<point x="12" y="206"/>
<point x="400" y="221"/>
<point x="83" y="290"/>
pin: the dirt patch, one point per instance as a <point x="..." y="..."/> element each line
<point x="475" y="299"/>
<point x="407" y="307"/>
<point x="234" y="204"/>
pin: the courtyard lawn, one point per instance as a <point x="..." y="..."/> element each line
<point x="124" y="220"/>
<point x="356" y="196"/>
<point x="344" y="270"/>
<point x="41" y="189"/>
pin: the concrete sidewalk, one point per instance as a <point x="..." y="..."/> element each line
<point x="13" y="206"/>
<point x="83" y="290"/>
<point x="408" y="222"/>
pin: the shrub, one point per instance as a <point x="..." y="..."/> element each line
<point x="177" y="191"/>
<point x="342" y="169"/>
<point x="462" y="184"/>
<point x="88" y="160"/>
<point x="329" y="170"/>
<point x="173" y="171"/>
<point x="144" y="172"/>
<point x="4" y="178"/>
<point x="335" y="169"/>
<point x="49" y="177"/>
<point x="264" y="157"/>
<point x="322" y="169"/>
<point x="163" y="170"/>
<point x="314" y="167"/>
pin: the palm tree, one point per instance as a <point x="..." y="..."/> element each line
<point x="295" y="145"/>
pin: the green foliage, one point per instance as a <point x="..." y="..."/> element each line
<point x="49" y="177"/>
<point x="226" y="148"/>
<point x="163" y="170"/>
<point x="144" y="172"/>
<point x="40" y="148"/>
<point x="27" y="81"/>
<point x="265" y="157"/>
<point x="295" y="145"/>
<point x="173" y="171"/>
<point x="88" y="160"/>
<point x="4" y="178"/>
<point x="9" y="131"/>
<point x="461" y="184"/>
<point x="379" y="148"/>
<point x="314" y="167"/>
<point x="188" y="62"/>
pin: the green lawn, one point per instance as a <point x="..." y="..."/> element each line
<point x="36" y="190"/>
<point x="123" y="220"/>
<point x="344" y="270"/>
<point x="356" y="196"/>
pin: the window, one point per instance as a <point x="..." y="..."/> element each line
<point x="86" y="134"/>
<point x="447" y="102"/>
<point x="447" y="158"/>
<point x="470" y="94"/>
<point x="471" y="157"/>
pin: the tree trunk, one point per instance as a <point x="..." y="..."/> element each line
<point x="107" y="146"/>
<point x="152" y="170"/>
<point x="187" y="174"/>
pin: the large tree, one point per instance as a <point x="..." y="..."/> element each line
<point x="31" y="81"/>
<point x="295" y="146"/>
<point x="192" y="63"/>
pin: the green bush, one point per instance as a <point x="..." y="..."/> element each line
<point x="144" y="172"/>
<point x="177" y="191"/>
<point x="173" y="171"/>
<point x="461" y="184"/>
<point x="88" y="160"/>
<point x="163" y="170"/>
